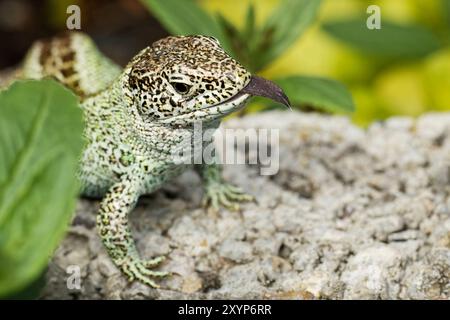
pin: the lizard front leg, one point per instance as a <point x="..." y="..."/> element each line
<point x="217" y="191"/>
<point x="112" y="223"/>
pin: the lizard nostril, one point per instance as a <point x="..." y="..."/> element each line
<point x="230" y="76"/>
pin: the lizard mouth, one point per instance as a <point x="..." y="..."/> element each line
<point x="264" y="88"/>
<point x="259" y="87"/>
<point x="256" y="87"/>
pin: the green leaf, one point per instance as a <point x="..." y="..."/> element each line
<point x="41" y="140"/>
<point x="325" y="94"/>
<point x="187" y="18"/>
<point x="229" y="29"/>
<point x="284" y="26"/>
<point x="240" y="45"/>
<point x="250" y="24"/>
<point x="446" y="9"/>
<point x="392" y="40"/>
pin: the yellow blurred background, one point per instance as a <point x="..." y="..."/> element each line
<point x="380" y="89"/>
<point x="408" y="87"/>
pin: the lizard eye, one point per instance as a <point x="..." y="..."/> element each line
<point x="181" y="87"/>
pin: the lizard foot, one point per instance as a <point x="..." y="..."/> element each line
<point x="137" y="269"/>
<point x="224" y="194"/>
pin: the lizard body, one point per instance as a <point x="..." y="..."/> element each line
<point x="136" y="117"/>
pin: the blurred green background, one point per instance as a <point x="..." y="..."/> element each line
<point x="381" y="85"/>
<point x="383" y="80"/>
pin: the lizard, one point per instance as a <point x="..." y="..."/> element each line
<point x="136" y="116"/>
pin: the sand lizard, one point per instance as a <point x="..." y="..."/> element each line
<point x="136" y="116"/>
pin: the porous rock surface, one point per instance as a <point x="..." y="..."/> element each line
<point x="351" y="214"/>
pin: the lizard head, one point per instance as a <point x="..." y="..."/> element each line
<point x="184" y="79"/>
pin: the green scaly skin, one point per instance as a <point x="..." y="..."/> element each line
<point x="135" y="117"/>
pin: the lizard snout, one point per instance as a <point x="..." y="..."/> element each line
<point x="264" y="88"/>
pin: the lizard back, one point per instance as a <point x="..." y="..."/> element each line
<point x="71" y="58"/>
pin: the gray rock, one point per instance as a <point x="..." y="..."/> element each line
<point x="352" y="213"/>
<point x="237" y="251"/>
<point x="429" y="278"/>
<point x="372" y="273"/>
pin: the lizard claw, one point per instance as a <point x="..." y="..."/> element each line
<point x="137" y="269"/>
<point x="226" y="195"/>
